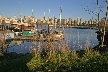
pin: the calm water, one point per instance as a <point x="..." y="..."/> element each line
<point x="76" y="38"/>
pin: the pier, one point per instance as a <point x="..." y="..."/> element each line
<point x="24" y="38"/>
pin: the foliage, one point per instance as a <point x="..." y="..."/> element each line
<point x="91" y="61"/>
<point x="57" y="61"/>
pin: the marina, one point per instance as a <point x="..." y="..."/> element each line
<point x="76" y="39"/>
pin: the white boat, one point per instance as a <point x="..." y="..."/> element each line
<point x="58" y="34"/>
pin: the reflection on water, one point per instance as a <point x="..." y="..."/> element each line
<point x="76" y="38"/>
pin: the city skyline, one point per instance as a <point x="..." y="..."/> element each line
<point x="71" y="8"/>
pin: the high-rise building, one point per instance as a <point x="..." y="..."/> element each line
<point x="78" y="21"/>
<point x="86" y="23"/>
<point x="75" y="22"/>
<point x="65" y="21"/>
<point x="70" y="21"/>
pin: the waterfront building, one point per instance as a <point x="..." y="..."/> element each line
<point x="81" y="21"/>
<point x="6" y="20"/>
<point x="70" y="21"/>
<point x="33" y="20"/>
<point x="52" y="21"/>
<point x="90" y="21"/>
<point x="65" y="22"/>
<point x="56" y="20"/>
<point x="86" y="22"/>
<point x="62" y="21"/>
<point x="78" y="21"/>
<point x="75" y="23"/>
<point x="15" y="21"/>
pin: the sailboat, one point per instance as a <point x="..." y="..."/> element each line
<point x="58" y="33"/>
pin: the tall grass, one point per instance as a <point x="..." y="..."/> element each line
<point x="57" y="57"/>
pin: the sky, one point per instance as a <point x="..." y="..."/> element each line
<point x="70" y="8"/>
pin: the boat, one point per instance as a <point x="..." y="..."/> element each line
<point x="17" y="31"/>
<point x="58" y="34"/>
<point x="28" y="33"/>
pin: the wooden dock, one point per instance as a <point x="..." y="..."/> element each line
<point x="24" y="38"/>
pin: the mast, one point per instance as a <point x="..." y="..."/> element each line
<point x="44" y="14"/>
<point x="32" y="16"/>
<point x="19" y="11"/>
<point x="32" y="12"/>
<point x="48" y="20"/>
<point x="54" y="22"/>
<point x="60" y="15"/>
<point x="44" y="18"/>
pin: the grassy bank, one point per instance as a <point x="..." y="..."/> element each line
<point x="51" y="59"/>
<point x="65" y="61"/>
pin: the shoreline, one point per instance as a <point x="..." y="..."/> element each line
<point x="77" y="27"/>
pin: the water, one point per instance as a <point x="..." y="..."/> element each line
<point x="76" y="38"/>
<point x="79" y="38"/>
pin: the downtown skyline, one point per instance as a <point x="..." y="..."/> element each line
<point x="71" y="8"/>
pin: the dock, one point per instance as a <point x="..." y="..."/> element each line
<point x="34" y="38"/>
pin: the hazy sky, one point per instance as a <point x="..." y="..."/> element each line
<point x="70" y="8"/>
